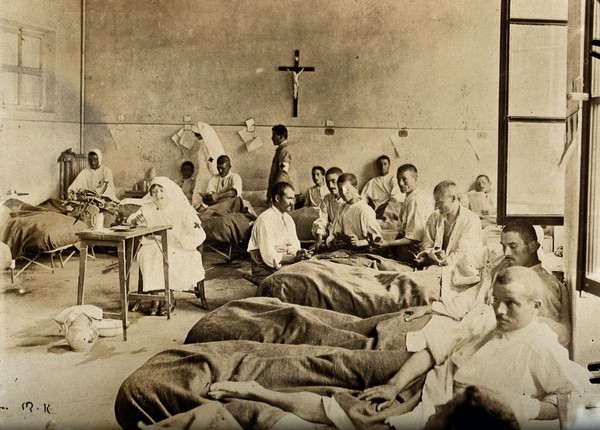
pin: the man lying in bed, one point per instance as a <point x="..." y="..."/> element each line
<point x="520" y="248"/>
<point x="504" y="359"/>
<point x="274" y="241"/>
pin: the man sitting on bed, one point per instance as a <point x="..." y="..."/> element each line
<point x="226" y="184"/>
<point x="356" y="226"/>
<point x="330" y="208"/>
<point x="416" y="210"/>
<point x="516" y="359"/>
<point x="451" y="230"/>
<point x="382" y="189"/>
<point x="274" y="241"/>
<point x="96" y="177"/>
<point x="487" y="204"/>
<point x="315" y="194"/>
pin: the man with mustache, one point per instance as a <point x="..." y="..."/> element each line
<point x="274" y="240"/>
<point x="520" y="248"/>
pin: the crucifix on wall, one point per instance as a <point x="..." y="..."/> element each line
<point x="295" y="72"/>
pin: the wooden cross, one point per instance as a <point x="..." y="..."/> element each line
<point x="295" y="72"/>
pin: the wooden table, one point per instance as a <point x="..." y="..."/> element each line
<point x="135" y="194"/>
<point x="126" y="243"/>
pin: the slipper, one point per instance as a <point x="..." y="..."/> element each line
<point x="154" y="308"/>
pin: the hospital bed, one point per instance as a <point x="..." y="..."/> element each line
<point x="32" y="232"/>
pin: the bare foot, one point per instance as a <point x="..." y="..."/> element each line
<point x="234" y="389"/>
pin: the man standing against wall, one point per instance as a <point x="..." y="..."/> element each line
<point x="281" y="166"/>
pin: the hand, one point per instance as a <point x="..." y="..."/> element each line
<point x="382" y="395"/>
<point x="416" y="312"/>
<point x="214" y="197"/>
<point x="438" y="255"/>
<point x="421" y="257"/>
<point x="375" y="241"/>
<point x="319" y="243"/>
<point x="139" y="220"/>
<point x="353" y="240"/>
<point x="303" y="254"/>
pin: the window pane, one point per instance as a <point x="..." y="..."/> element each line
<point x="535" y="181"/>
<point x="9" y="48"/>
<point x="537" y="71"/>
<point x="540" y="9"/>
<point x="596" y="62"/>
<point x="593" y="253"/>
<point x="8" y="87"/>
<point x="31" y="90"/>
<point x="31" y="51"/>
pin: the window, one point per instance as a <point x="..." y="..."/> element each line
<point x="26" y="67"/>
<point x="531" y="124"/>
<point x="590" y="251"/>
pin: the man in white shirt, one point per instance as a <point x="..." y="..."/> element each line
<point x="451" y="230"/>
<point x="97" y="177"/>
<point x="382" y="189"/>
<point x="225" y="185"/>
<point x="460" y="314"/>
<point x="417" y="208"/>
<point x="330" y="208"/>
<point x="515" y="357"/>
<point x="274" y="241"/>
<point x="356" y="225"/>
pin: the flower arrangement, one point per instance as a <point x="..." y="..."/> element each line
<point x="87" y="204"/>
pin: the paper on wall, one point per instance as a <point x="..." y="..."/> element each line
<point x="250" y="125"/>
<point x="177" y="137"/>
<point x="396" y="142"/>
<point x="117" y="134"/>
<point x="188" y="139"/>
<point x="254" y="144"/>
<point x="246" y="136"/>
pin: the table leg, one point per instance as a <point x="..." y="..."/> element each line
<point x="121" y="251"/>
<point x="82" y="267"/>
<point x="129" y="247"/>
<point x="165" y="250"/>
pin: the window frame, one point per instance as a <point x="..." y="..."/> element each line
<point x="504" y="119"/>
<point x="590" y="55"/>
<point x="45" y="71"/>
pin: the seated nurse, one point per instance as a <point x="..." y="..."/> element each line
<point x="169" y="206"/>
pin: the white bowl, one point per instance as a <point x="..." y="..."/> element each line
<point x="110" y="327"/>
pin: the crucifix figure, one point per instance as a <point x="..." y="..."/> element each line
<point x="295" y="72"/>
